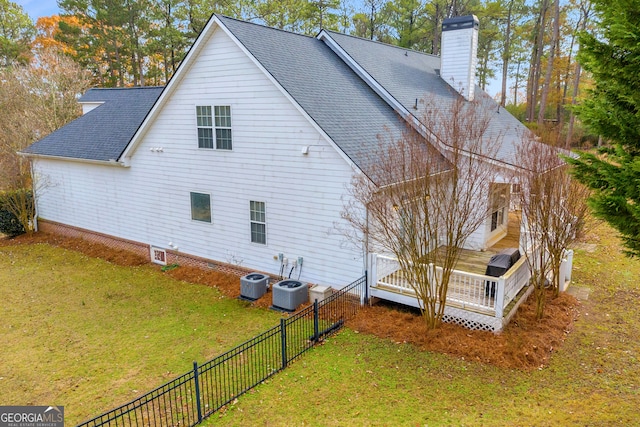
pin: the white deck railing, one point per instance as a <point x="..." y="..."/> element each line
<point x="468" y="290"/>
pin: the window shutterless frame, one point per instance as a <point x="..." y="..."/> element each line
<point x="204" y="122"/>
<point x="200" y="207"/>
<point x="214" y="127"/>
<point x="258" y="222"/>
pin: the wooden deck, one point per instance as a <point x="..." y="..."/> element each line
<point x="471" y="301"/>
<point x="476" y="261"/>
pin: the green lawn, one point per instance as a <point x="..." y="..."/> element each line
<point x="360" y="380"/>
<point x="89" y="335"/>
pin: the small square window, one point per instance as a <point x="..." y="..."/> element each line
<point x="201" y="207"/>
<point x="258" y="222"/>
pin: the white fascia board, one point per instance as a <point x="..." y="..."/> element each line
<point x="205" y="34"/>
<point x="112" y="162"/>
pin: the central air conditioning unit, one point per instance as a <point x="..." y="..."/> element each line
<point x="289" y="294"/>
<point x="253" y="286"/>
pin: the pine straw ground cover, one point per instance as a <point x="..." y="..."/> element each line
<point x="524" y="344"/>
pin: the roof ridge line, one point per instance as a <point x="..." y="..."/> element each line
<point x="405" y="49"/>
<point x="219" y="15"/>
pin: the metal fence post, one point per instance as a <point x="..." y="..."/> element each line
<point x="283" y="342"/>
<point x="196" y="378"/>
<point x="316" y="322"/>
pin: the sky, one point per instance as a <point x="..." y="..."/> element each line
<point x="37" y="8"/>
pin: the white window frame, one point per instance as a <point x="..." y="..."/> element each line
<point x="214" y="127"/>
<point x="257" y="221"/>
<point x="204" y="122"/>
<point x="222" y="122"/>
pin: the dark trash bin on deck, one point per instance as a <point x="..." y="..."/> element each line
<point x="498" y="265"/>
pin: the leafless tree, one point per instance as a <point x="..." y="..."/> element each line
<point x="554" y="208"/>
<point x="425" y="196"/>
<point x="35" y="100"/>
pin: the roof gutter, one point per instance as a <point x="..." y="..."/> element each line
<point x="110" y="162"/>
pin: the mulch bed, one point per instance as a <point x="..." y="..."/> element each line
<point x="524" y="344"/>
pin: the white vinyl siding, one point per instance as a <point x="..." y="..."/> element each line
<point x="258" y="222"/>
<point x="149" y="201"/>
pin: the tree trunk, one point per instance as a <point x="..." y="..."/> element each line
<point x="533" y="82"/>
<point x="548" y="74"/>
<point x="586" y="11"/>
<point x="506" y="56"/>
<point x="540" y="293"/>
<point x="572" y="117"/>
<point x="516" y="85"/>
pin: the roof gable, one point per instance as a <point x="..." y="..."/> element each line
<point x="342" y="104"/>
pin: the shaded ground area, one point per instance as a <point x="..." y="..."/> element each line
<point x="524" y="344"/>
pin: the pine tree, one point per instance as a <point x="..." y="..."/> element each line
<point x="612" y="110"/>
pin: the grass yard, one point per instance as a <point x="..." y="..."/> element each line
<point x="90" y="335"/>
<point x="356" y="379"/>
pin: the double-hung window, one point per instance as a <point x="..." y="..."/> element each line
<point x="214" y="127"/>
<point x="223" y="127"/>
<point x="205" y="126"/>
<point x="258" y="222"/>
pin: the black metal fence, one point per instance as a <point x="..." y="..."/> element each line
<point x="188" y="399"/>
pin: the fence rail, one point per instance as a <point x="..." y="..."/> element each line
<point x="189" y="398"/>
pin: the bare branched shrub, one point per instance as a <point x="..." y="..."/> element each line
<point x="425" y="196"/>
<point x="554" y="208"/>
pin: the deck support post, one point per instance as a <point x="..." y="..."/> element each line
<point x="372" y="271"/>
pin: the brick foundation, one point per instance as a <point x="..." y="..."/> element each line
<point x="138" y="248"/>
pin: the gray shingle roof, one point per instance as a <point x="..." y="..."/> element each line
<point x="103" y="133"/>
<point x="409" y="76"/>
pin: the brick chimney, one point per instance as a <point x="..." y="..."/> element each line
<point x="459" y="53"/>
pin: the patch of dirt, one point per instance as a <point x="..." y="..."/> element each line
<point x="524" y="344"/>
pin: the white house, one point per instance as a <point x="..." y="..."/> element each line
<point x="244" y="159"/>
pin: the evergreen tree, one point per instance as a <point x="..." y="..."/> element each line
<point x="16" y="33"/>
<point x="612" y="110"/>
